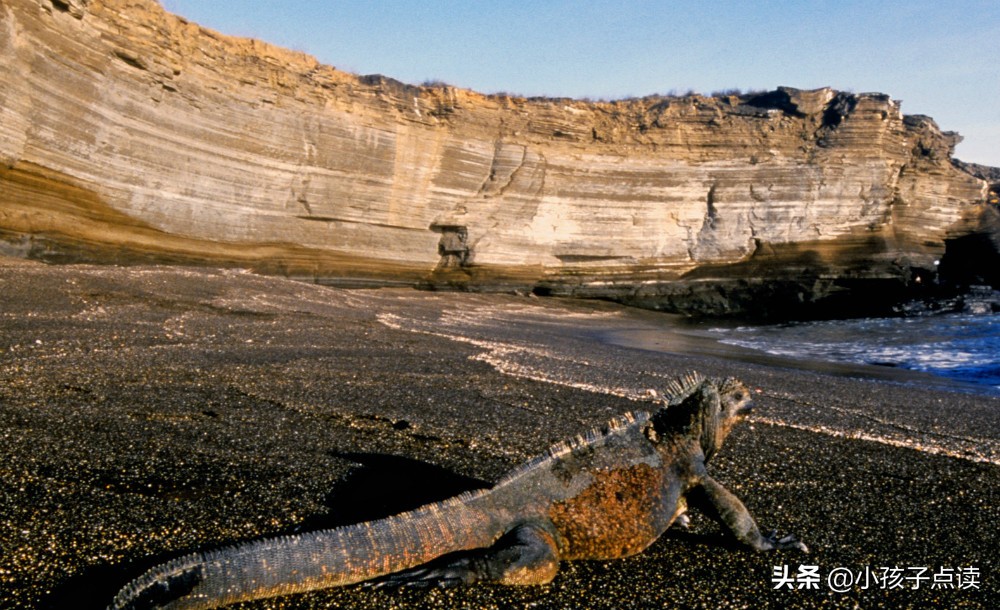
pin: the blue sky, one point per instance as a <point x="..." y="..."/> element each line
<point x="940" y="57"/>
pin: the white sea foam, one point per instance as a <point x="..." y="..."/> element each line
<point x="526" y="361"/>
<point x="963" y="451"/>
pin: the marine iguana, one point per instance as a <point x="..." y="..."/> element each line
<point x="603" y="495"/>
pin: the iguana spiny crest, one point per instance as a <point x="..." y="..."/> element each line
<point x="718" y="407"/>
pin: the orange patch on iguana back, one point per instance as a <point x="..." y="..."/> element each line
<point x="615" y="516"/>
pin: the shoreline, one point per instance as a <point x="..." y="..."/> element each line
<point x="675" y="334"/>
<point x="150" y="411"/>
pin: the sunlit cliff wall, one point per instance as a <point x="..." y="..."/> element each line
<point x="129" y="134"/>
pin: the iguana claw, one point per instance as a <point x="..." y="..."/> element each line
<point x="786" y="542"/>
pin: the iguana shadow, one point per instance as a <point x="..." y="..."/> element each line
<point x="382" y="485"/>
<point x="706" y="539"/>
<point x="387" y="485"/>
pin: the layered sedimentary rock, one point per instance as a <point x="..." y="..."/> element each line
<point x="129" y="134"/>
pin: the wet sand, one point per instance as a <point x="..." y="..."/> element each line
<point x="148" y="412"/>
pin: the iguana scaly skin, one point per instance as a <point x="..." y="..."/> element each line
<point x="604" y="495"/>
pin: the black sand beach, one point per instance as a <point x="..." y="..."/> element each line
<point x="149" y="411"/>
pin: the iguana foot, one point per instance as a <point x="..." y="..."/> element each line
<point x="452" y="573"/>
<point x="785" y="542"/>
<point x="526" y="555"/>
<point x="681" y="522"/>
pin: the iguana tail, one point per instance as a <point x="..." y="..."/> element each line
<point x="316" y="560"/>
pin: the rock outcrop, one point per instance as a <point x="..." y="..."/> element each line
<point x="129" y="134"/>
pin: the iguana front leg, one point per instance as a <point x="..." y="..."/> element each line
<point x="720" y="504"/>
<point x="526" y="555"/>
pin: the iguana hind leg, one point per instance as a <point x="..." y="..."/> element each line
<point x="526" y="555"/>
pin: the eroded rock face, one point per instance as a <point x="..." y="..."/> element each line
<point x="129" y="134"/>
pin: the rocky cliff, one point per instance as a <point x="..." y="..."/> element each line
<point x="129" y="134"/>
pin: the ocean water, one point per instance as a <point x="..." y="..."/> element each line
<point x="961" y="347"/>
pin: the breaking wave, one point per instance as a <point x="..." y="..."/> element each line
<point x="961" y="347"/>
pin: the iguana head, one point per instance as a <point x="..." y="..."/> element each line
<point x="717" y="420"/>
<point x="708" y="409"/>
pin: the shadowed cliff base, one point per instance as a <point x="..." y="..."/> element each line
<point x="49" y="217"/>
<point x="68" y="223"/>
<point x="855" y="276"/>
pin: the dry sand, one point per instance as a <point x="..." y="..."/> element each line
<point x="146" y="412"/>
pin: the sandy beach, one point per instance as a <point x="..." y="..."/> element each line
<point x="146" y="412"/>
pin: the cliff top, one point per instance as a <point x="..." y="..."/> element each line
<point x="145" y="24"/>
